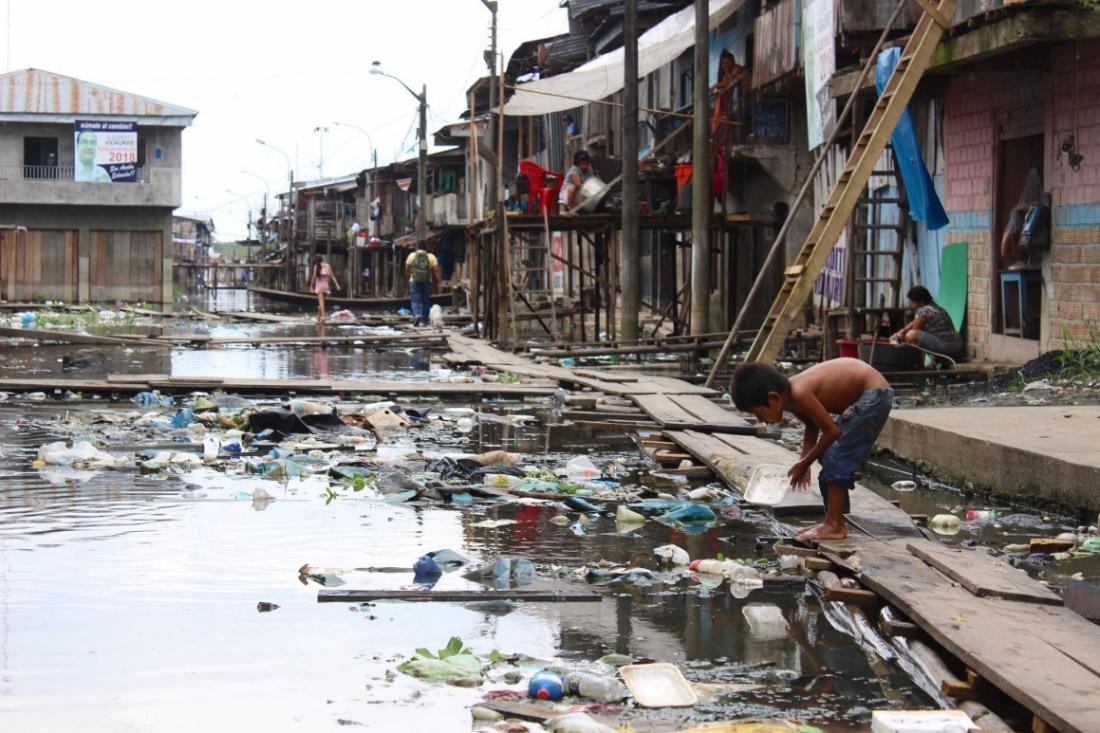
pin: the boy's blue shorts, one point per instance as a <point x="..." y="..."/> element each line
<point x="859" y="428"/>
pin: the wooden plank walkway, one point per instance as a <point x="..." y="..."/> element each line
<point x="1045" y="657"/>
<point x="692" y="412"/>
<point x="466" y="350"/>
<point x="1004" y="625"/>
<point x="983" y="575"/>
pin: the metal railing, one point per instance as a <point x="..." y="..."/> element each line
<point x="51" y="173"/>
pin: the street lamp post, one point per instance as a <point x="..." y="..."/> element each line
<point x="292" y="208"/>
<point x="321" y="130"/>
<point x="422" y="160"/>
<point x="493" y="91"/>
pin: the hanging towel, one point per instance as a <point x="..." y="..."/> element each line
<point x="924" y="203"/>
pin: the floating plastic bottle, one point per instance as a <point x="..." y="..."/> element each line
<point x="594" y="687"/>
<point x="730" y="568"/>
<point x="503" y="481"/>
<point x="545" y="685"/>
<point x="945" y="524"/>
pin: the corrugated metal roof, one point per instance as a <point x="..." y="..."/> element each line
<point x="38" y="92"/>
<point x="577" y="8"/>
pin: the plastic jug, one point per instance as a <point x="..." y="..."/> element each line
<point x="594" y="687"/>
<point x="545" y="685"/>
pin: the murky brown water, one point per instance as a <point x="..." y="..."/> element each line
<point x="126" y="606"/>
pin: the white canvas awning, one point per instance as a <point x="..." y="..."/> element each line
<point x="603" y="76"/>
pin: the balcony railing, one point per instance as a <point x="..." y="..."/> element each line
<point x="52" y="173"/>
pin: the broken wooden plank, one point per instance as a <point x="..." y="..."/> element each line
<point x="992" y="636"/>
<point x="984" y="575"/>
<point x="456" y="596"/>
<point x="858" y="596"/>
<point x="713" y="416"/>
<point x="666" y="412"/>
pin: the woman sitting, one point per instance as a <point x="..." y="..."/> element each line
<point x="931" y="328"/>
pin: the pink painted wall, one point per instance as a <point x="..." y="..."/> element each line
<point x="980" y="109"/>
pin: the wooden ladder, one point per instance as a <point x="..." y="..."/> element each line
<point x="531" y="261"/>
<point x="799" y="278"/>
<point x="874" y="264"/>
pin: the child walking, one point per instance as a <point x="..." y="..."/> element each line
<point x="319" y="283"/>
<point x="849" y="388"/>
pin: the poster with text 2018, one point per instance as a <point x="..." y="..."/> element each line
<point x="106" y="151"/>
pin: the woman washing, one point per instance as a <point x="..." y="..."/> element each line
<point x="319" y="284"/>
<point x="931" y="328"/>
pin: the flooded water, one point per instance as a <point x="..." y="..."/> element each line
<point x="129" y="602"/>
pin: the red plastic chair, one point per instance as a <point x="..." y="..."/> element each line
<point x="542" y="186"/>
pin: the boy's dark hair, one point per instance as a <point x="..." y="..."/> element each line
<point x="919" y="294"/>
<point x="753" y="381"/>
<point x="581" y="156"/>
<point x="726" y="55"/>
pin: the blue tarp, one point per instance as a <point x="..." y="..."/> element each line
<point x="924" y="204"/>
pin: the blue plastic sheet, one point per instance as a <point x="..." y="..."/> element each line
<point x="924" y="203"/>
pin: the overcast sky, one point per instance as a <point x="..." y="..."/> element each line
<point x="275" y="70"/>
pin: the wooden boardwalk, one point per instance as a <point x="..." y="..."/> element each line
<point x="673" y="403"/>
<point x="1008" y="628"/>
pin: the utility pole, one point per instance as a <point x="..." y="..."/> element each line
<point x="422" y="171"/>
<point x="631" y="265"/>
<point x="493" y="91"/>
<point x="700" y="175"/>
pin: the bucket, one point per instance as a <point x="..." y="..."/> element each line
<point x="848" y="348"/>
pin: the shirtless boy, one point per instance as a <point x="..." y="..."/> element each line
<point x="846" y="387"/>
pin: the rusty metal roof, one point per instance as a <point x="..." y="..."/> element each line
<point x="39" y="94"/>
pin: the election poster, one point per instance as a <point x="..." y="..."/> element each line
<point x="819" y="63"/>
<point x="106" y="151"/>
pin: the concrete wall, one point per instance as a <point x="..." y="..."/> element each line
<point x="160" y="183"/>
<point x="982" y="108"/>
<point x="85" y="220"/>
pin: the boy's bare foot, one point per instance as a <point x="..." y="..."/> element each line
<point x="824" y="531"/>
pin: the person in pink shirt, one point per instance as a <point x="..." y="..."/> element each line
<point x="319" y="283"/>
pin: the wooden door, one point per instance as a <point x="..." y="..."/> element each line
<point x="126" y="266"/>
<point x="38" y="264"/>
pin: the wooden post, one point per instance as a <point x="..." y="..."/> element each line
<point x="631" y="263"/>
<point x="700" y="175"/>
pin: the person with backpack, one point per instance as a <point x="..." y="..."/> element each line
<point x="422" y="267"/>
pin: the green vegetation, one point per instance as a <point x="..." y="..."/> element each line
<point x="454" y="647"/>
<point x="1081" y="357"/>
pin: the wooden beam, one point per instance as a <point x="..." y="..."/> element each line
<point x="456" y="596"/>
<point x="858" y="596"/>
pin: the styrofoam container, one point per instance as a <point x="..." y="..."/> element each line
<point x="659" y="685"/>
<point x="768" y="485"/>
<point x="921" y="721"/>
